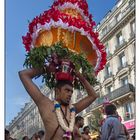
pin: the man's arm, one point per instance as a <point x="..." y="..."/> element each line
<point x="26" y="77"/>
<point x="84" y="103"/>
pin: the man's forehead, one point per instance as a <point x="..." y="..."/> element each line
<point x="68" y="86"/>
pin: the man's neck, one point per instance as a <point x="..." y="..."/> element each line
<point x="61" y="103"/>
<point x="113" y="115"/>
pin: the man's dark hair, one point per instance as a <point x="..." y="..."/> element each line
<point x="78" y="118"/>
<point x="61" y="83"/>
<point x="85" y="128"/>
<point x="24" y="137"/>
<point x="7" y="132"/>
<point x="41" y="132"/>
<point x="110" y="109"/>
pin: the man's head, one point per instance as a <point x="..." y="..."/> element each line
<point x="7" y="134"/>
<point x="86" y="129"/>
<point x="25" y="138"/>
<point x="63" y="92"/>
<point x="110" y="109"/>
<point x="41" y="133"/>
<point x="79" y="121"/>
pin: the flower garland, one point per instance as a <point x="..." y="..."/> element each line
<point x="68" y="130"/>
<point x="80" y="5"/>
<point x="38" y="57"/>
<point x="56" y="18"/>
<point x="52" y="18"/>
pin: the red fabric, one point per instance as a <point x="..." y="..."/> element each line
<point x="63" y="76"/>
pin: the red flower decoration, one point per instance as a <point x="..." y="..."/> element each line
<point x="55" y="14"/>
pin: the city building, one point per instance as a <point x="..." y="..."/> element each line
<point x="116" y="81"/>
<point x="28" y="120"/>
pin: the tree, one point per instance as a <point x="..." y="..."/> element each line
<point x="94" y="120"/>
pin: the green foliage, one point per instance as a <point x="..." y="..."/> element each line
<point x="37" y="56"/>
<point x="95" y="120"/>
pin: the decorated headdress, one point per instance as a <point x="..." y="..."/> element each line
<point x="67" y="25"/>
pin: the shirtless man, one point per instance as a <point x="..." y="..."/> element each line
<point x="79" y="123"/>
<point x="63" y="94"/>
<point x="85" y="134"/>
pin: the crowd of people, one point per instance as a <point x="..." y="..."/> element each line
<point x="111" y="128"/>
<point x="78" y="135"/>
<point x="60" y="116"/>
<point x="36" y="136"/>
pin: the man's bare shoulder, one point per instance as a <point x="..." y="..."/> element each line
<point x="46" y="103"/>
<point x="46" y="109"/>
<point x="86" y="137"/>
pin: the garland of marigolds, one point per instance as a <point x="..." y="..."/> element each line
<point x="37" y="58"/>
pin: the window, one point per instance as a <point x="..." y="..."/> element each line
<point x="108" y="70"/>
<point x="124" y="81"/>
<point x="109" y="89"/>
<point x="118" y="16"/>
<point x="132" y="26"/>
<point x="122" y="60"/>
<point x="107" y="50"/>
<point x="112" y="22"/>
<point x="104" y="31"/>
<point x="128" y="111"/>
<point x="119" y="39"/>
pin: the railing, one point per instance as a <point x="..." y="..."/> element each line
<point x="111" y="96"/>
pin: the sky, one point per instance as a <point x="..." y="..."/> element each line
<point x="17" y="14"/>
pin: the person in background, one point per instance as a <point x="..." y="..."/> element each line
<point x="25" y="138"/>
<point x="126" y="132"/>
<point x="85" y="134"/>
<point x="35" y="136"/>
<point x="41" y="134"/>
<point x="112" y="128"/>
<point x="7" y="134"/>
<point x="79" y="123"/>
<point x="133" y="136"/>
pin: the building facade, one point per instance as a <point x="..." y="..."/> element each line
<point x="28" y="120"/>
<point x="116" y="81"/>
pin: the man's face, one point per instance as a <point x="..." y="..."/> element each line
<point x="81" y="122"/>
<point x="65" y="94"/>
<point x="87" y="130"/>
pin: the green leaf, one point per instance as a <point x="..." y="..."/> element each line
<point x="36" y="59"/>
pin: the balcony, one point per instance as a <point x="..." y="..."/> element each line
<point x="122" y="66"/>
<point x="111" y="96"/>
